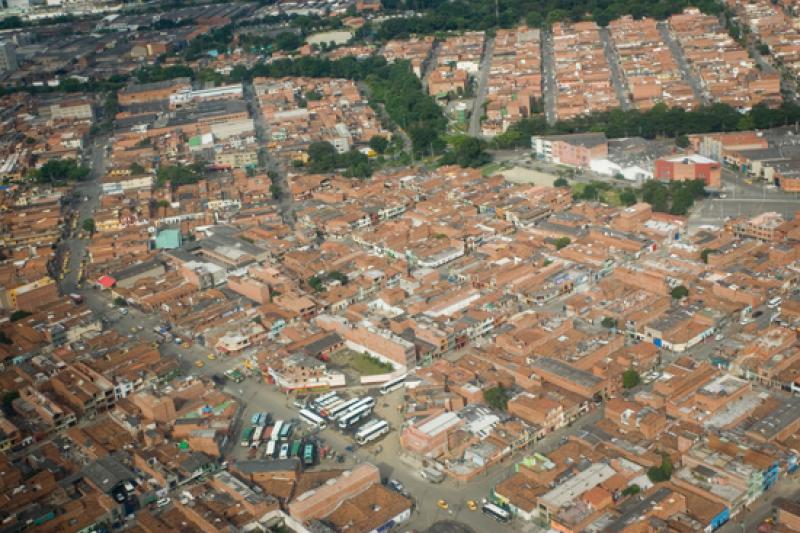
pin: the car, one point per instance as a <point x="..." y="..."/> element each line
<point x="133" y="330"/>
<point x="199" y="363"/>
<point x="442" y="504"/>
<point x="472" y="505"/>
<point x="284" y="451"/>
<point x="719" y="337"/>
<point x="211" y="357"/>
<point x="163" y="502"/>
<point x="395" y="485"/>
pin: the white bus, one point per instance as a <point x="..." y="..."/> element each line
<point x="320" y="400"/>
<point x="276" y="431"/>
<point x="342" y="408"/>
<point x="270" y="453"/>
<point x="351" y="417"/>
<point x="394" y="384"/>
<point x="257" y="437"/>
<point x="367" y="400"/>
<point x="371" y="431"/>
<point x="333" y="405"/>
<point x="312" y="419"/>
<point x="498" y="513"/>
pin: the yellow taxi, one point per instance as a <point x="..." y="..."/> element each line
<point x="211" y="357"/>
<point x="471" y="505"/>
<point x="199" y="364"/>
<point x="442" y="504"/>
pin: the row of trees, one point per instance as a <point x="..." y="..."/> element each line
<point x="660" y="121"/>
<point x="447" y="15"/>
<point x="676" y="198"/>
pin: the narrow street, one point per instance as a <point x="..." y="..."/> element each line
<point x="430" y="64"/>
<point x="480" y="92"/>
<point x="620" y="86"/>
<point x="683" y="65"/>
<point x="272" y="166"/>
<point x="549" y="78"/>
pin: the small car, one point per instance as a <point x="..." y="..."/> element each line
<point x="211" y="357"/>
<point x="199" y="364"/>
<point x="472" y="505"/>
<point x="442" y="504"/>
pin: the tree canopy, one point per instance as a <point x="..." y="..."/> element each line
<point x="497" y="397"/>
<point x="57" y="170"/>
<point x="630" y="378"/>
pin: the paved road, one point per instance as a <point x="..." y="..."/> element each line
<point x="683" y="65"/>
<point x="268" y="163"/>
<point x="549" y="79"/>
<point x="96" y="155"/>
<point x="617" y="79"/>
<point x="481" y="90"/>
<point x="430" y="64"/>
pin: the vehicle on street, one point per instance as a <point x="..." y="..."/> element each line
<point x="395" y="485"/>
<point x="442" y="504"/>
<point x="163" y="502"/>
<point x="471" y="505"/>
<point x="199" y="363"/>
<point x="211" y="357"/>
<point x="496" y="512"/>
<point x="284" y="453"/>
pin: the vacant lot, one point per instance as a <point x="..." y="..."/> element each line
<point x="363" y="363"/>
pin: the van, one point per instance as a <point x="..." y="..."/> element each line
<point x="775" y="302"/>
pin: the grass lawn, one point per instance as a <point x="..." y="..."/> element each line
<point x="364" y="364"/>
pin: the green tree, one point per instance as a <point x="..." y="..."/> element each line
<point x="561" y="242"/>
<point x="496" y="397"/>
<point x="9" y="397"/>
<point x="656" y="194"/>
<point x="630" y="378"/>
<point x="19" y="314"/>
<point x="88" y="225"/>
<point x="561" y="182"/>
<point x="682" y="201"/>
<point x="682" y="141"/>
<point x="609" y="322"/>
<point x="276" y="191"/>
<point x="627" y="197"/>
<point x="316" y="283"/>
<point x="630" y="490"/>
<point x="338" y="276"/>
<point x="658" y="474"/>
<point x="679" y="292"/>
<point x="321" y="156"/>
<point x="705" y="253"/>
<point x="120" y="302"/>
<point x="136" y="169"/>
<point x="379" y="143"/>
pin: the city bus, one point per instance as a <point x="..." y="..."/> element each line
<point x="295" y="449"/>
<point x="496" y="512"/>
<point x="276" y="430"/>
<point x="371" y="431"/>
<point x="255" y="418"/>
<point x="270" y="449"/>
<point x="366" y="400"/>
<point x="308" y="454"/>
<point x="320" y="400"/>
<point x="351" y="417"/>
<point x="247" y="434"/>
<point x="285" y="431"/>
<point x="394" y="384"/>
<point x="341" y="408"/>
<point x="312" y="419"/>
<point x="266" y="436"/>
<point x="256" y="440"/>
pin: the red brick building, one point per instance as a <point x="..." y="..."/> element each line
<point x="688" y="167"/>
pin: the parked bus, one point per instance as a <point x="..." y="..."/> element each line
<point x="312" y="419"/>
<point x="496" y="512"/>
<point x="341" y="408"/>
<point x="394" y="384"/>
<point x="285" y="431"/>
<point x="276" y="430"/>
<point x="320" y="400"/>
<point x="247" y="434"/>
<point x="354" y="416"/>
<point x="270" y="453"/>
<point x="254" y="419"/>
<point x="256" y="440"/>
<point x="308" y="454"/>
<point x="371" y="431"/>
<point x="366" y="400"/>
<point x="295" y="448"/>
<point x="266" y="435"/>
